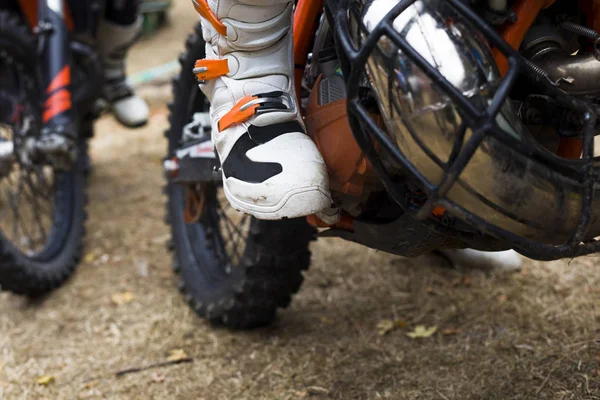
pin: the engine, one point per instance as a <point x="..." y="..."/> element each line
<point x="484" y="116"/>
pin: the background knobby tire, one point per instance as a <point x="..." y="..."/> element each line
<point x="247" y="294"/>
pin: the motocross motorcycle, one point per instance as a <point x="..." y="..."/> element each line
<point x="50" y="79"/>
<point x="443" y="124"/>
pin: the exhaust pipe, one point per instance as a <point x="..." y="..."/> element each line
<point x="500" y="185"/>
<point x="577" y="75"/>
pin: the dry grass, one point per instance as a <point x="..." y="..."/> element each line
<point x="533" y="335"/>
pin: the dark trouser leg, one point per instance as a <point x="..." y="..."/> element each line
<point x="122" y="12"/>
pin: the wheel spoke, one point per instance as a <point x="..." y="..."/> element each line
<point x="36" y="210"/>
<point x="234" y="232"/>
<point x="26" y="190"/>
<point x="234" y="238"/>
<point x="18" y="213"/>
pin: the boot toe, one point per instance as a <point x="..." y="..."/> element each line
<point x="131" y="111"/>
<point x="299" y="186"/>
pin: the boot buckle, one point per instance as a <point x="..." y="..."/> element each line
<point x="205" y="12"/>
<point x="255" y="105"/>
<point x="210" y="69"/>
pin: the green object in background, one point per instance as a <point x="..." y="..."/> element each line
<point x="155" y="14"/>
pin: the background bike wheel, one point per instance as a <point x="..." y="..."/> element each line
<point x="234" y="270"/>
<point x="42" y="211"/>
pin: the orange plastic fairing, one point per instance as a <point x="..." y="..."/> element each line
<point x="514" y="33"/>
<point x="328" y="126"/>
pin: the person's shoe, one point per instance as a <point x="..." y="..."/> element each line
<point x="508" y="260"/>
<point x="271" y="169"/>
<point x="113" y="42"/>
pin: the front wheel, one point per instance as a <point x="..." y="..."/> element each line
<point x="235" y="270"/>
<point x="42" y="210"/>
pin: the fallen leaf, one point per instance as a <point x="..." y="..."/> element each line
<point x="158" y="377"/>
<point x="301" y="393"/>
<point x="422" y="332"/>
<point x="89" y="258"/>
<point x="162" y="239"/>
<point x="450" y="331"/>
<point x="502" y="299"/>
<point x="467" y="280"/>
<point x="326" y="320"/>
<point x="385" y="326"/>
<point x="45" y="380"/>
<point x="142" y="267"/>
<point x="430" y="290"/>
<point x="91" y="384"/>
<point x="524" y="347"/>
<point x="316" y="390"/>
<point x="122" y="298"/>
<point x="177" y="355"/>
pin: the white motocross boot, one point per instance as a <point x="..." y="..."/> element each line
<point x="113" y="42"/>
<point x="271" y="168"/>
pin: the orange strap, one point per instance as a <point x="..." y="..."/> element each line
<point x="236" y="115"/>
<point x="205" y="12"/>
<point x="210" y="69"/>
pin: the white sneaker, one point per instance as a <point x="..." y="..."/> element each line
<point x="113" y="42"/>
<point x="131" y="110"/>
<point x="271" y="168"/>
<point x="508" y="260"/>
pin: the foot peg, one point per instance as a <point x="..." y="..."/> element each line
<point x="195" y="161"/>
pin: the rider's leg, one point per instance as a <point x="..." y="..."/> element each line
<point x="271" y="168"/>
<point x="117" y="32"/>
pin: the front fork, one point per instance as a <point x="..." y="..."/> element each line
<point x="58" y="135"/>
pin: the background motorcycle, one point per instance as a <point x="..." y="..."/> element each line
<point x="49" y="83"/>
<point x="444" y="124"/>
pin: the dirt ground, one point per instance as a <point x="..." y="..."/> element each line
<point x="530" y="335"/>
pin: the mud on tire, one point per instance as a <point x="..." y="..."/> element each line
<point x="238" y="291"/>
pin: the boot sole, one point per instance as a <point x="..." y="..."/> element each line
<point x="294" y="204"/>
